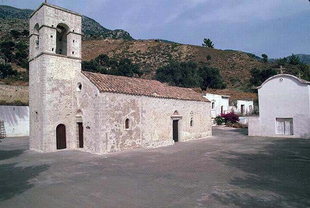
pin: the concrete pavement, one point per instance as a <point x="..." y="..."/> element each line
<point x="229" y="169"/>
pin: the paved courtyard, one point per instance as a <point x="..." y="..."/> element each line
<point x="226" y="170"/>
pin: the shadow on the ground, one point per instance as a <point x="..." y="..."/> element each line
<point x="228" y="132"/>
<point x="7" y="154"/>
<point x="279" y="175"/>
<point x="243" y="131"/>
<point x="14" y="179"/>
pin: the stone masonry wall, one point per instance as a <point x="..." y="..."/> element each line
<point x="150" y="122"/>
<point x="13" y="94"/>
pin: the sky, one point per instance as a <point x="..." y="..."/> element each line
<point x="277" y="28"/>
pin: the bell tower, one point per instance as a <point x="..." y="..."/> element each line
<point x="54" y="65"/>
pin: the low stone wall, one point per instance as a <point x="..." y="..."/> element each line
<point x="16" y="120"/>
<point x="14" y="94"/>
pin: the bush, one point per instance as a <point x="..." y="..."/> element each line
<point x="219" y="120"/>
<point x="230" y="117"/>
<point x="7" y="71"/>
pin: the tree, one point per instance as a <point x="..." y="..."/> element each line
<point x="184" y="74"/>
<point x="258" y="76"/>
<point x="187" y="74"/>
<point x="6" y="71"/>
<point x="265" y="58"/>
<point x="207" y="43"/>
<point x="294" y="60"/>
<point x="16" y="34"/>
<point x="105" y="65"/>
<point x="211" y="78"/>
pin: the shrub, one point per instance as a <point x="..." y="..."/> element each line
<point x="219" y="120"/>
<point x="6" y="70"/>
<point x="230" y="117"/>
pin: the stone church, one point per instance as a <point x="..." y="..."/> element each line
<point x="73" y="109"/>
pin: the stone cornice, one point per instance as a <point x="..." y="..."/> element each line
<point x="53" y="54"/>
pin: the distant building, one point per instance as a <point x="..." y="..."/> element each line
<point x="284" y="108"/>
<point x="242" y="107"/>
<point x="219" y="104"/>
<point x="225" y="101"/>
<point x="71" y="109"/>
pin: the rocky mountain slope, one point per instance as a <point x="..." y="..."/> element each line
<point x="234" y="66"/>
<point x="17" y="19"/>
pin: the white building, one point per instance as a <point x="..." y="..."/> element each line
<point x="284" y="105"/>
<point x="219" y="104"/>
<point x="16" y="120"/>
<point x="242" y="107"/>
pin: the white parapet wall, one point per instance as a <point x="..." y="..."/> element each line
<point x="16" y="120"/>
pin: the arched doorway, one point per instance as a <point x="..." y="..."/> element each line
<point x="61" y="137"/>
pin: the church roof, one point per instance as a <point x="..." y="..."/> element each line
<point x="144" y="87"/>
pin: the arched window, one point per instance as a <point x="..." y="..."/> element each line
<point x="127" y="123"/>
<point x="61" y="39"/>
<point x="36" y="33"/>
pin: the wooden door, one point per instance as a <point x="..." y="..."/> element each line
<point x="61" y="137"/>
<point x="175" y="130"/>
<point x="81" y="136"/>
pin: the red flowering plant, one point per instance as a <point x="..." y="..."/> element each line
<point x="230" y="117"/>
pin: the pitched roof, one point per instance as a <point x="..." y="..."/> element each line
<point x="144" y="87"/>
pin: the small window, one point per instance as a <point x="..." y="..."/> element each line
<point x="127" y="124"/>
<point x="213" y="105"/>
<point x="79" y="86"/>
<point x="191" y="122"/>
<point x="72" y="52"/>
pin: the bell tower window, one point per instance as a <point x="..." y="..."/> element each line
<point x="36" y="33"/>
<point x="61" y="39"/>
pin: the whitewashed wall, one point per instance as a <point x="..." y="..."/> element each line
<point x="16" y="120"/>
<point x="282" y="96"/>
<point x="218" y="100"/>
<point x="248" y="107"/>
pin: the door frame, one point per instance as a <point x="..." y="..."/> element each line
<point x="177" y="117"/>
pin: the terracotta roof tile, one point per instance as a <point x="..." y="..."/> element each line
<point x="136" y="86"/>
